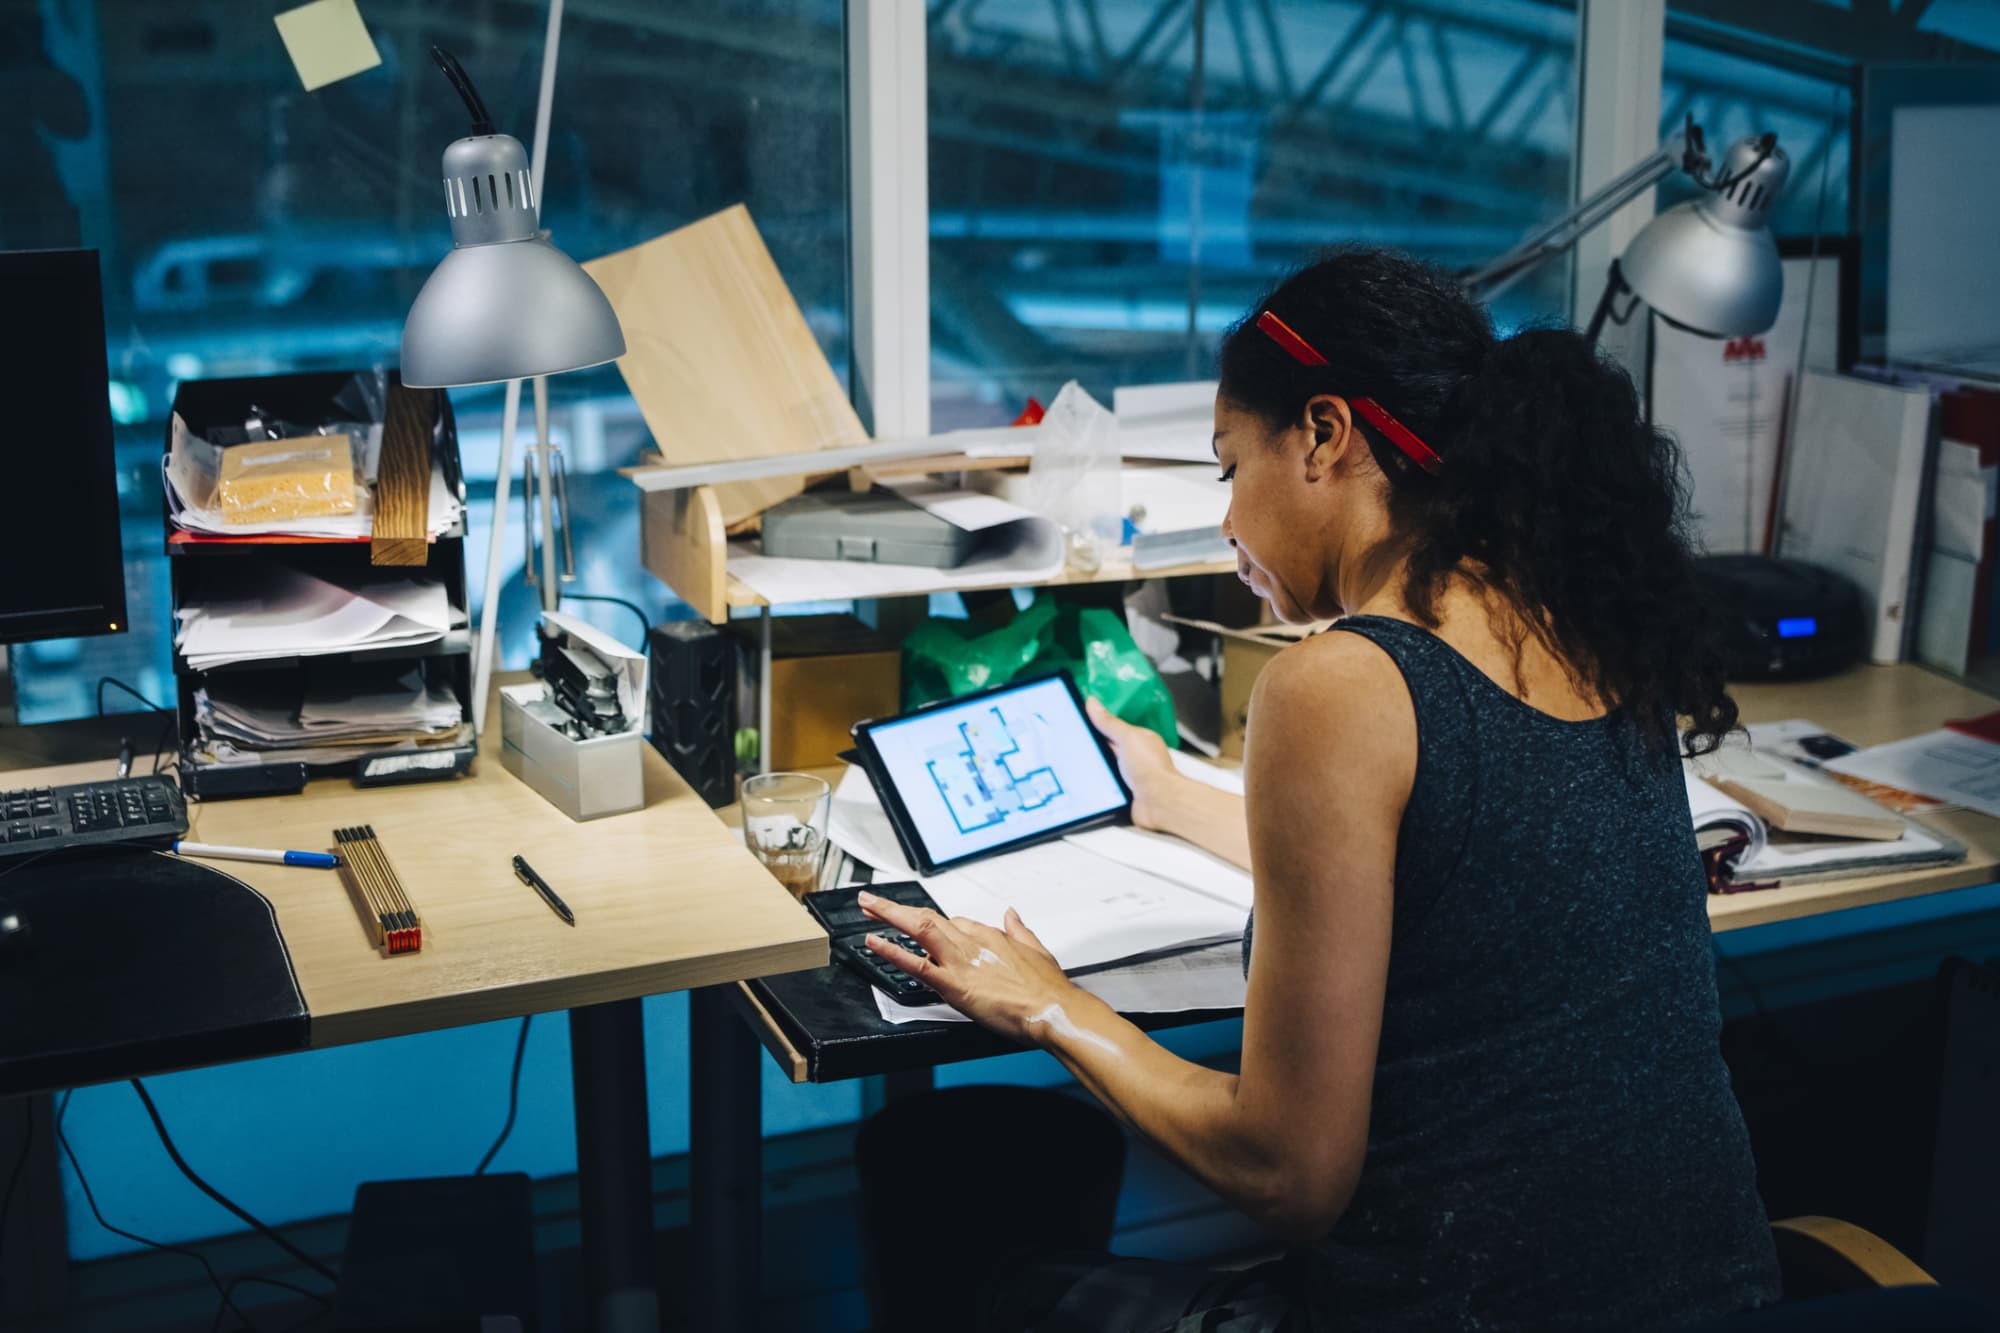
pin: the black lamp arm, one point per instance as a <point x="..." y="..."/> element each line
<point x="482" y="122"/>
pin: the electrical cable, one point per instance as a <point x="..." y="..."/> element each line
<point x="482" y="122"/>
<point x="645" y="625"/>
<point x="13" y="1182"/>
<point x="166" y="728"/>
<point x="102" y="681"/>
<point x="261" y="1228"/>
<point x="513" y="1097"/>
<point x="326" y="1305"/>
<point x="1774" y="529"/>
<point x="90" y="1198"/>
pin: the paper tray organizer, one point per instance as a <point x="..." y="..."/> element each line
<point x="200" y="569"/>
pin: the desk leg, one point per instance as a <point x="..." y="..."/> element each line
<point x="614" y="1166"/>
<point x="880" y="1090"/>
<point x="726" y="1129"/>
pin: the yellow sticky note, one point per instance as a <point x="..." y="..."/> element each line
<point x="327" y="42"/>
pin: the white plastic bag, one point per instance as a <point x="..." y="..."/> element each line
<point x="1073" y="479"/>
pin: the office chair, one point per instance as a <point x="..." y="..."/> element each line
<point x="1840" y="1278"/>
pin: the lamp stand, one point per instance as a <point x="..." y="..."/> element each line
<point x="1614" y="286"/>
<point x="489" y="614"/>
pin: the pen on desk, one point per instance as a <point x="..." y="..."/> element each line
<point x="316" y="860"/>
<point x="526" y="874"/>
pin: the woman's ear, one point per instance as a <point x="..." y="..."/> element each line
<point x="1329" y="431"/>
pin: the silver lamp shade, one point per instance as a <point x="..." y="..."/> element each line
<point x="1710" y="265"/>
<point x="504" y="304"/>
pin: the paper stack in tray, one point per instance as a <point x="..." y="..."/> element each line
<point x="258" y="718"/>
<point x="1148" y="921"/>
<point x="281" y="612"/>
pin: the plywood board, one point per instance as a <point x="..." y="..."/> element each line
<point x="719" y="356"/>
<point x="403" y="478"/>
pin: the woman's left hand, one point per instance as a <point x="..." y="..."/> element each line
<point x="1002" y="979"/>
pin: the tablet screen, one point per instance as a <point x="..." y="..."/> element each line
<point x="997" y="768"/>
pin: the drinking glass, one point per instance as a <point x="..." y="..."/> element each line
<point x="784" y="822"/>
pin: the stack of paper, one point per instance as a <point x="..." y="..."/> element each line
<point x="286" y="613"/>
<point x="258" y="718"/>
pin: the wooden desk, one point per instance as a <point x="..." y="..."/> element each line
<point x="822" y="1026"/>
<point x="666" y="898"/>
<point x="1869" y="705"/>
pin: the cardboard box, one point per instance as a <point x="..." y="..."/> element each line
<point x="827" y="673"/>
<point x="584" y="779"/>
<point x="1244" y="653"/>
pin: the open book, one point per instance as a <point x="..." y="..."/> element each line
<point x="1744" y="851"/>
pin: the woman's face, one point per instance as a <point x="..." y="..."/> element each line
<point x="1276" y="516"/>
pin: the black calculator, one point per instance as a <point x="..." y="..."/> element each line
<point x="849" y="927"/>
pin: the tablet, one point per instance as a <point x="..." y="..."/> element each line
<point x="992" y="771"/>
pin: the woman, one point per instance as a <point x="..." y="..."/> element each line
<point x="1480" y="1084"/>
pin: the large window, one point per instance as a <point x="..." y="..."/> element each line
<point x="250" y="227"/>
<point x="1112" y="182"/>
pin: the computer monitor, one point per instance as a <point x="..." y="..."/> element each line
<point x="63" y="574"/>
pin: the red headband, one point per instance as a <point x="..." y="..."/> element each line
<point x="1373" y="412"/>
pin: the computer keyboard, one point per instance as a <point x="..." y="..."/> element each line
<point x="143" y="811"/>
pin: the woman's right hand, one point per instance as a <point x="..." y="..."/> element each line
<point x="1143" y="762"/>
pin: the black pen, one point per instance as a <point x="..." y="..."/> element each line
<point x="527" y="876"/>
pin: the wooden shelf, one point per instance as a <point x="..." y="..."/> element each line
<point x="682" y="542"/>
<point x="1116" y="570"/>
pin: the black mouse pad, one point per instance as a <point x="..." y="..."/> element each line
<point x="137" y="962"/>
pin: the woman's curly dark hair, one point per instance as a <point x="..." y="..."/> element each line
<point x="1552" y="481"/>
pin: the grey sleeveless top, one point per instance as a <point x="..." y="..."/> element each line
<point x="1553" y="1143"/>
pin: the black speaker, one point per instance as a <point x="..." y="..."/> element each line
<point x="693" y="705"/>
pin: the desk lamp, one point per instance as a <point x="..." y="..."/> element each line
<point x="1708" y="265"/>
<point x="504" y="305"/>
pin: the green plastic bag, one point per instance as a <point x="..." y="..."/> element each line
<point x="943" y="659"/>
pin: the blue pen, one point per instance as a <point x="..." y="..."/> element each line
<point x="316" y="860"/>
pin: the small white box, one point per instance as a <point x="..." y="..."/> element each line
<point x="584" y="779"/>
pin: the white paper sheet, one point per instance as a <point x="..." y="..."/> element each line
<point x="1210" y="978"/>
<point x="1944" y="764"/>
<point x="293" y="614"/>
<point x="1089" y="904"/>
<point x="1175" y="499"/>
<point x="968" y="511"/>
<point x="628" y="666"/>
<point x="1854" y="500"/>
<point x="1725" y="400"/>
<point x="1170" y="858"/>
<point x="1166" y="421"/>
